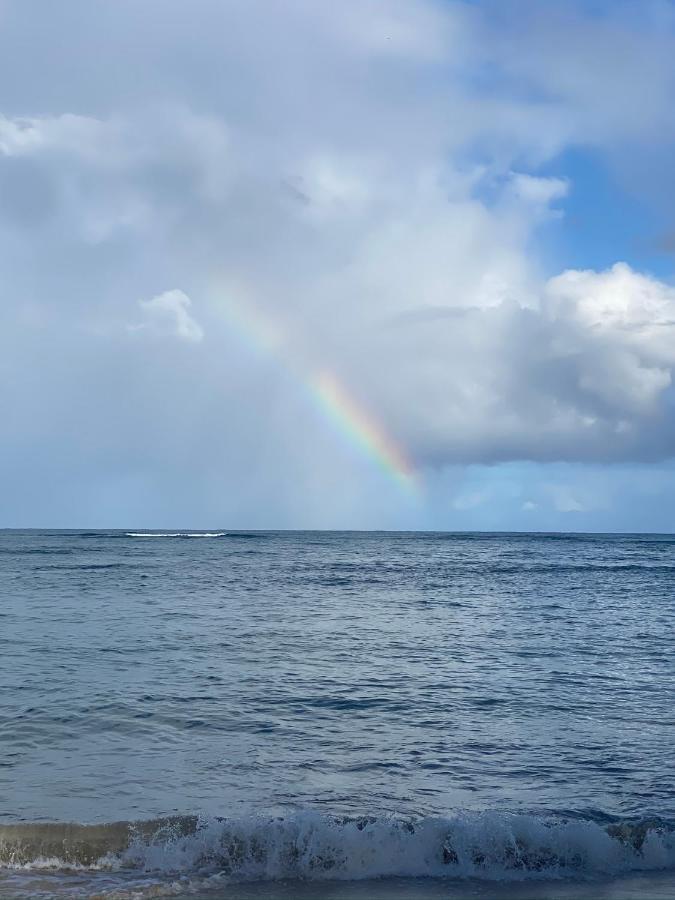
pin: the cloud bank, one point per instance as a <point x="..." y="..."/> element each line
<point x="375" y="181"/>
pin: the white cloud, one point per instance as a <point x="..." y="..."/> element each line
<point x="615" y="299"/>
<point x="168" y="314"/>
<point x="537" y="191"/>
<point x="127" y="173"/>
<point x="533" y="381"/>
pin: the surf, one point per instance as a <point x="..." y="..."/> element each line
<point x="307" y="845"/>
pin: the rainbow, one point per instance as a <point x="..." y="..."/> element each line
<point x="356" y="425"/>
<point x="359" y="428"/>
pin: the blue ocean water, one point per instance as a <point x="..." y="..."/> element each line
<point x="451" y="714"/>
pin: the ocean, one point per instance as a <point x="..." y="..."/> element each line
<point x="274" y="715"/>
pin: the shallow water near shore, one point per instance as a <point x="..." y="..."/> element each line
<point x="44" y="887"/>
<point x="336" y="715"/>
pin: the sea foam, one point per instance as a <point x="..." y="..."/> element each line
<point x="309" y="846"/>
<point x="176" y="534"/>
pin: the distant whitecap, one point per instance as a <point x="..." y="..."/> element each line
<point x="176" y="534"/>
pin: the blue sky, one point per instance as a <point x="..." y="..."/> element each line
<point x="460" y="213"/>
<point x="605" y="221"/>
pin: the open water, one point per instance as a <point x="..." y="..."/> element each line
<point x="338" y="715"/>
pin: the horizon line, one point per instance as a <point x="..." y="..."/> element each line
<point x="331" y="530"/>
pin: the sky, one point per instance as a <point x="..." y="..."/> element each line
<point x="369" y="264"/>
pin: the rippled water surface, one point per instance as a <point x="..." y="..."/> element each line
<point x="324" y="677"/>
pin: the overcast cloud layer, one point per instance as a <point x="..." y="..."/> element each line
<point x="377" y="183"/>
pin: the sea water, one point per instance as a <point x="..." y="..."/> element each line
<point x="338" y="715"/>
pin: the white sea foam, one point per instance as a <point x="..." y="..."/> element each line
<point x="309" y="846"/>
<point x="176" y="534"/>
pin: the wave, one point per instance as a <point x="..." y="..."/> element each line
<point x="176" y="534"/>
<point x="310" y="846"/>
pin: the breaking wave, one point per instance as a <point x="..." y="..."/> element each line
<point x="310" y="846"/>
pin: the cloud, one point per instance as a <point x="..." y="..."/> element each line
<point x="581" y="371"/>
<point x="470" y="500"/>
<point x="374" y="179"/>
<point x="168" y="314"/>
<point x="432" y="313"/>
<point x="537" y="191"/>
<point x="564" y="500"/>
